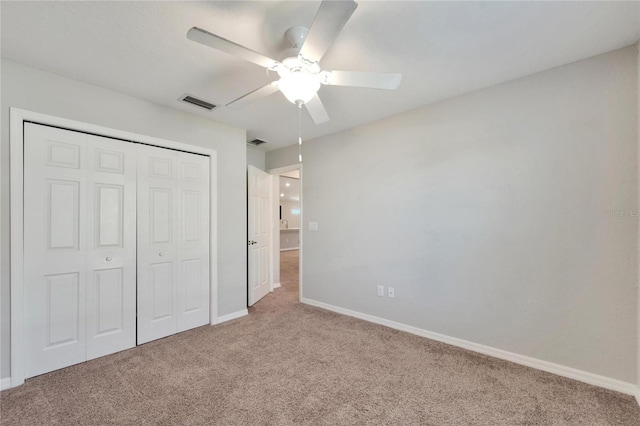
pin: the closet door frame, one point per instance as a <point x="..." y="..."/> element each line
<point x="17" y="118"/>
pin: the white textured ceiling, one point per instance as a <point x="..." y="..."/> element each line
<point x="442" y="49"/>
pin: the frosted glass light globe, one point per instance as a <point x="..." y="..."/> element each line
<point x="299" y="86"/>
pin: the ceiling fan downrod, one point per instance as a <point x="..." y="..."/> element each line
<point x="299" y="105"/>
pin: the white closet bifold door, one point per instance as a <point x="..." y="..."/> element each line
<point x="111" y="246"/>
<point x="173" y="242"/>
<point x="193" y="240"/>
<point x="55" y="276"/>
<point x="79" y="247"/>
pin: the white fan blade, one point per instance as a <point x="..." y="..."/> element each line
<point x="250" y="97"/>
<point x="329" y="20"/>
<point x="374" y="80"/>
<point x="208" y="39"/>
<point x="316" y="110"/>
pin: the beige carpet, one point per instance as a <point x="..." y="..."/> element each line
<point x="288" y="363"/>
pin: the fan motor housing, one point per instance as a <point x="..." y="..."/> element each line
<point x="296" y="36"/>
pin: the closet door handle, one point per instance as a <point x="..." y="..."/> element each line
<point x="161" y="254"/>
<point x="108" y="259"/>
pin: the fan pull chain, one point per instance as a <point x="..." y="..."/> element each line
<point x="299" y="133"/>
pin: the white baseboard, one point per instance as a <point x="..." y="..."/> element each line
<point x="231" y="316"/>
<point x="276" y="285"/>
<point x="560" y="370"/>
<point x="5" y="383"/>
<point x="290" y="249"/>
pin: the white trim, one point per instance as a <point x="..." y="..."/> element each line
<point x="300" y="236"/>
<point x="272" y="227"/>
<point x="285" y="169"/>
<point x="5" y="383"/>
<point x="638" y="260"/>
<point x="213" y="237"/>
<point x="560" y="370"/>
<point x="276" y="285"/>
<point x="16" y="143"/>
<point x="2" y="383"/>
<point x="637" y="395"/>
<point x="290" y="249"/>
<point x="16" y="253"/>
<point x="234" y="315"/>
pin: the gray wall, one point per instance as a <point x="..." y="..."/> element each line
<point x="293" y="220"/>
<point x="287" y="156"/>
<point x="500" y="216"/>
<point x="34" y="90"/>
<point x="638" y="117"/>
<point x="255" y="158"/>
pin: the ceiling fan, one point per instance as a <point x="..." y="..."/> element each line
<point x="300" y="73"/>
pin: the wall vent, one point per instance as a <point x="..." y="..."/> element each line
<point x="197" y="102"/>
<point x="256" y="142"/>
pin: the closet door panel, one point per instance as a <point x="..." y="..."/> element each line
<point x="62" y="302"/>
<point x="193" y="240"/>
<point x="116" y="245"/>
<point x="160" y="215"/>
<point x="157" y="229"/>
<point x="162" y="284"/>
<point x="111" y="241"/>
<point x="173" y="242"/>
<point x="55" y="196"/>
<point x="109" y="303"/>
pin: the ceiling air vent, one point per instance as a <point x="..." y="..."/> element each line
<point x="197" y="102"/>
<point x="256" y="142"/>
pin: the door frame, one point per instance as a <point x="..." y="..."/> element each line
<point x="276" y="172"/>
<point x="17" y="118"/>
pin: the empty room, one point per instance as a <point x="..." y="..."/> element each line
<point x="319" y="212"/>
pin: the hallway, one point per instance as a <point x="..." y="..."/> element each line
<point x="282" y="299"/>
<point x="290" y="271"/>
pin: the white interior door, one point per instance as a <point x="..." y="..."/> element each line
<point x="79" y="204"/>
<point x="173" y="243"/>
<point x="258" y="233"/>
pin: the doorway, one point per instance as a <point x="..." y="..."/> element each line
<point x="287" y="242"/>
<point x="289" y="214"/>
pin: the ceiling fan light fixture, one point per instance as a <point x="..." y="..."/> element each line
<point x="299" y="86"/>
<point x="299" y="70"/>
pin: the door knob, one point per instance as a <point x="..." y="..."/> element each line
<point x="252" y="242"/>
<point x="108" y="259"/>
<point x="160" y="254"/>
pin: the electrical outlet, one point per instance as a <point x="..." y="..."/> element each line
<point x="381" y="291"/>
<point x="392" y="292"/>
